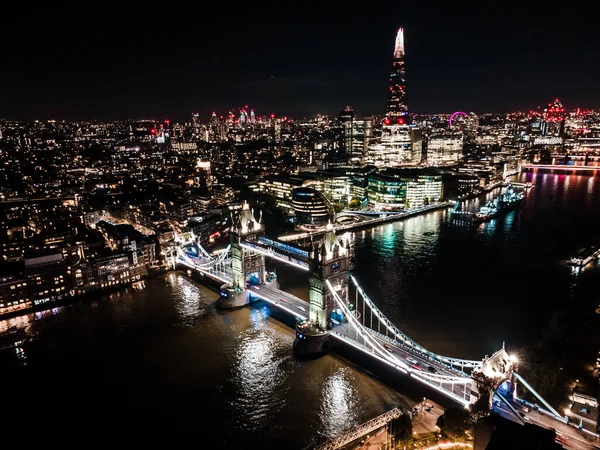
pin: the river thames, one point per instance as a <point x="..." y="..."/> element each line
<point x="164" y="363"/>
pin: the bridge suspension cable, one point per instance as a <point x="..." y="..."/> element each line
<point x="403" y="338"/>
<point x="434" y="380"/>
<point x="361" y="330"/>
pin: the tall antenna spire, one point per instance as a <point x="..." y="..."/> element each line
<point x="399" y="48"/>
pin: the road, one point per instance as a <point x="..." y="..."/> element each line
<point x="422" y="363"/>
<point x="575" y="437"/>
<point x="281" y="299"/>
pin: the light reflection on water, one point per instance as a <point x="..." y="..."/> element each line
<point x="458" y="291"/>
<point x="339" y="409"/>
<point x="165" y="349"/>
<point x="260" y="374"/>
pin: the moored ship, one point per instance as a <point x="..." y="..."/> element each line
<point x="499" y="205"/>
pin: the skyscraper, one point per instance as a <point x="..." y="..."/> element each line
<point x="397" y="109"/>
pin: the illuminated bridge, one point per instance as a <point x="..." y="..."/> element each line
<point x="330" y="317"/>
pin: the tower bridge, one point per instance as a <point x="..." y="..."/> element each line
<point x="329" y="316"/>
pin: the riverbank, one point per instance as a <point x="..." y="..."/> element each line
<point x="369" y="223"/>
<point x="70" y="299"/>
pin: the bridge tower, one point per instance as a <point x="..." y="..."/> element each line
<point x="494" y="371"/>
<point x="329" y="261"/>
<point x="245" y="262"/>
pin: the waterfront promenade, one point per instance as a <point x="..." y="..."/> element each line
<point x="379" y="218"/>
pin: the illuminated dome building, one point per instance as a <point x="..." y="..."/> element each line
<point x="313" y="210"/>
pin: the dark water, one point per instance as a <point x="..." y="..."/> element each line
<point x="164" y="364"/>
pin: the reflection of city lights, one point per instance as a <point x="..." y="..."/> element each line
<point x="17" y="322"/>
<point x="258" y="317"/>
<point x="259" y="373"/>
<point x="338" y="411"/>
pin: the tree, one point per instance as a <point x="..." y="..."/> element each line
<point x="481" y="408"/>
<point x="338" y="207"/>
<point x="401" y="428"/>
<point x="454" y="422"/>
<point x="354" y="203"/>
<point x="426" y="201"/>
<point x="407" y="204"/>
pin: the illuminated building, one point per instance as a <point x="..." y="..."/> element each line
<point x="386" y="192"/>
<point x="202" y="176"/>
<point x="357" y="132"/>
<point x="444" y="149"/>
<point x="403" y="189"/>
<point x="554" y="112"/>
<point x="218" y="128"/>
<point x="554" y="119"/>
<point x="312" y="209"/>
<point x="14" y="294"/>
<point x="346" y="120"/>
<point x="48" y="277"/>
<point x="280" y="188"/>
<point x="423" y="190"/>
<point x="196" y="124"/>
<point x="393" y="149"/>
<point x="336" y="189"/>
<point x="397" y="109"/>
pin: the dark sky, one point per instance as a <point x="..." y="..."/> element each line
<point x="99" y="60"/>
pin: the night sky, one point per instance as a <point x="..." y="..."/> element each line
<point x="101" y="61"/>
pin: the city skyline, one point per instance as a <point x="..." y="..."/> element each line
<point x="126" y="65"/>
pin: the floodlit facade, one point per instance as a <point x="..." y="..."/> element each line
<point x="313" y="210"/>
<point x="390" y="192"/>
<point x="393" y="149"/>
<point x="444" y="149"/>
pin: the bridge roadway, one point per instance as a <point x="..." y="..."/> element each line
<point x="401" y="352"/>
<point x="281" y="299"/>
<point x="221" y="273"/>
<point x="299" y="308"/>
<point x="576" y="439"/>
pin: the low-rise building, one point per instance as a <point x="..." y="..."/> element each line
<point x="48" y="277"/>
<point x="584" y="412"/>
<point x="398" y="189"/>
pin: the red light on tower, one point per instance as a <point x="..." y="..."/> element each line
<point x="386" y="121"/>
<point x="152" y="130"/>
<point x="167" y="122"/>
<point x="272" y="116"/>
<point x="400" y="121"/>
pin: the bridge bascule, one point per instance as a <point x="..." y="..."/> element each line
<point x="331" y="318"/>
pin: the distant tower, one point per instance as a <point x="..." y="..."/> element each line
<point x="346" y="121"/>
<point x="202" y="176"/>
<point x="397" y="109"/>
<point x="196" y="124"/>
<point x="252" y="118"/>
